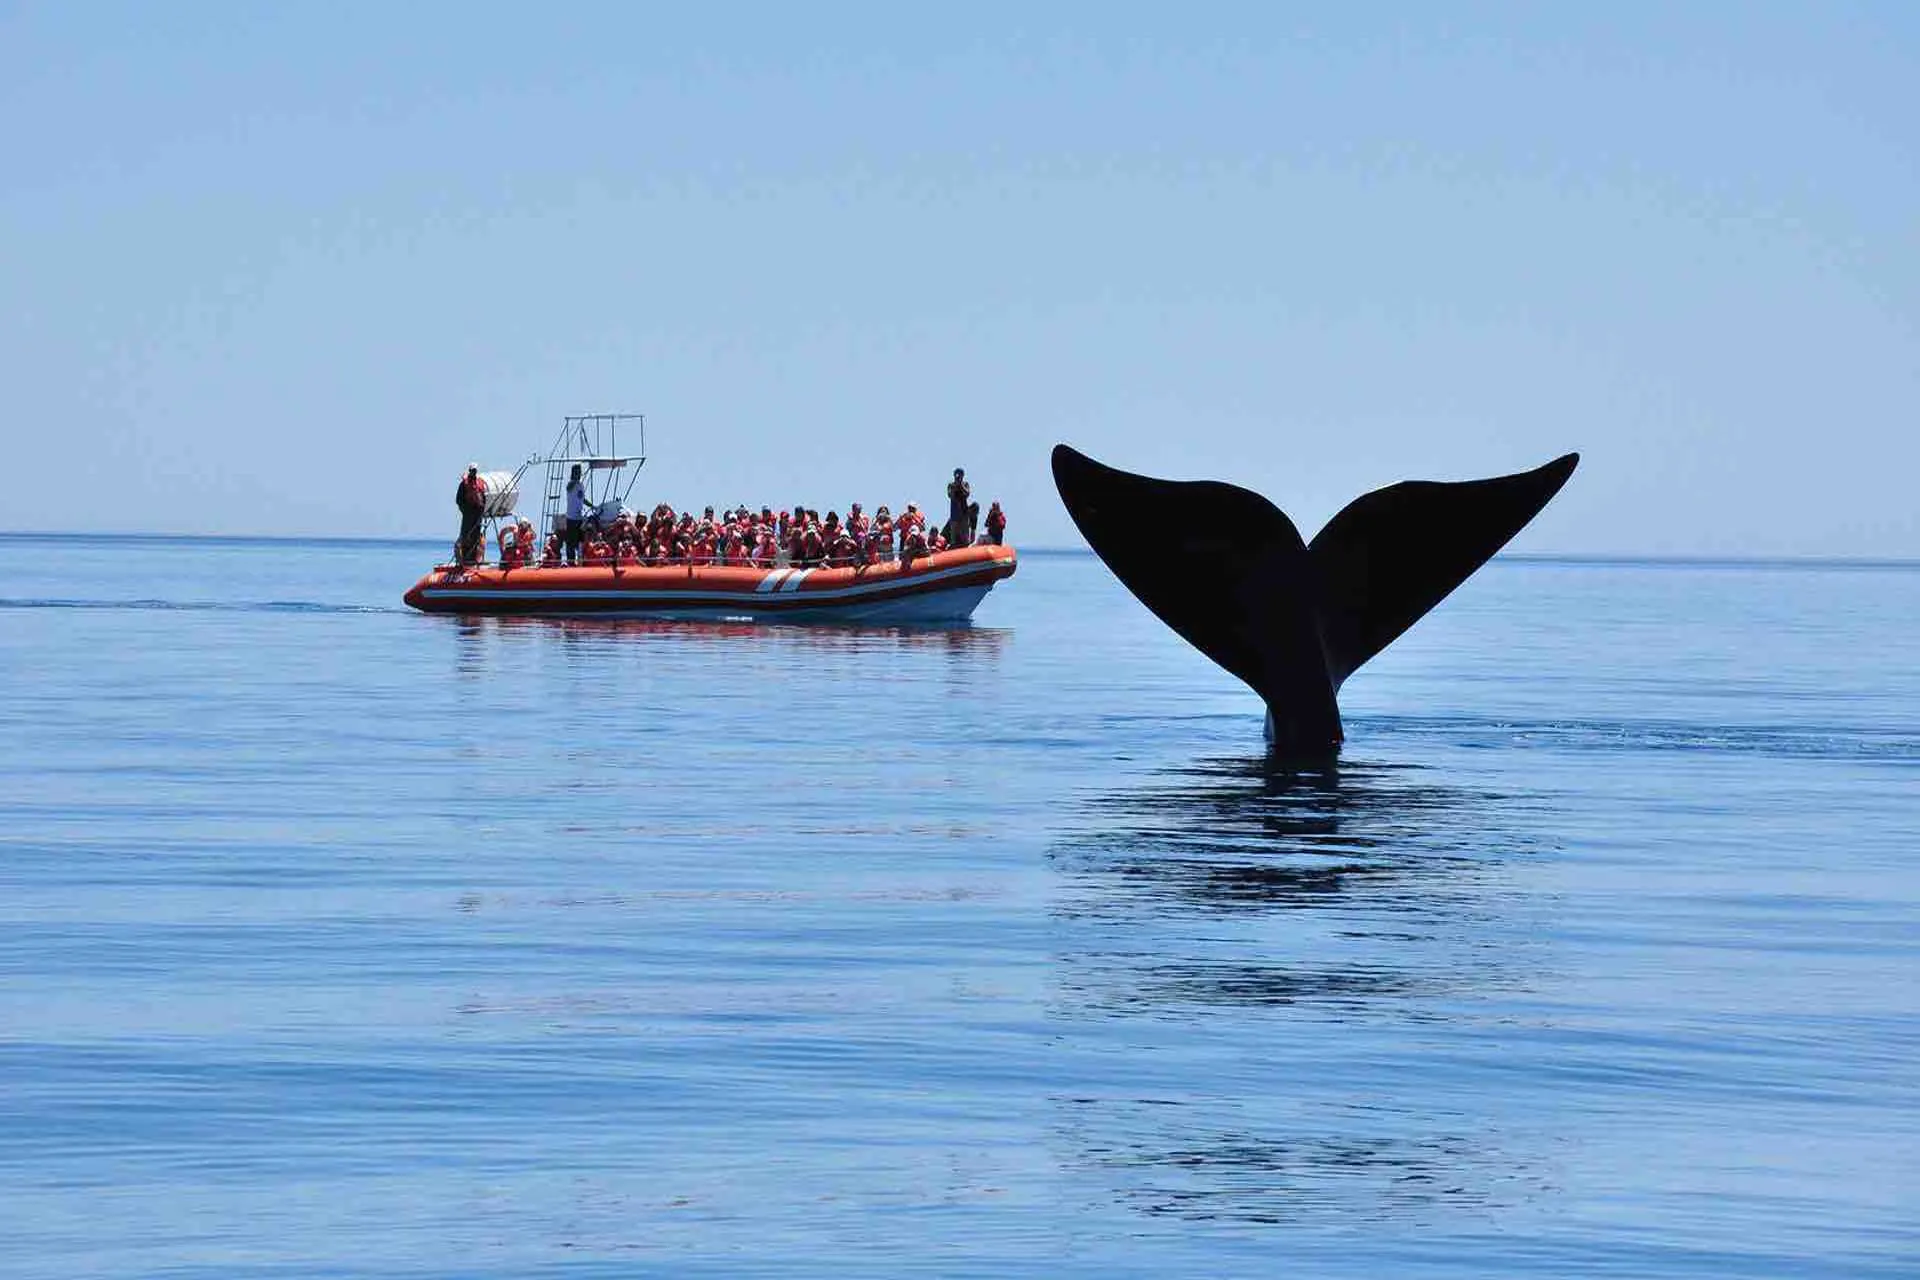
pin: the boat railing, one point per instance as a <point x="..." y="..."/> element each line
<point x="781" y="561"/>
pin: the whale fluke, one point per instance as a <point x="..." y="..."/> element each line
<point x="1227" y="570"/>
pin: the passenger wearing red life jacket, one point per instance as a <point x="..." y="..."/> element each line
<point x="516" y="544"/>
<point x="913" y="545"/>
<point x="765" y="550"/>
<point x="938" y="542"/>
<point x="812" y="546"/>
<point x="880" y="540"/>
<point x="996" y="525"/>
<point x="550" y="554"/>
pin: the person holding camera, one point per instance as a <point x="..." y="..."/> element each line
<point x="959" y="528"/>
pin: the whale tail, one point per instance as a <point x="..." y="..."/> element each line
<point x="1228" y="571"/>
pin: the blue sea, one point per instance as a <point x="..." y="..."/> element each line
<point x="337" y="940"/>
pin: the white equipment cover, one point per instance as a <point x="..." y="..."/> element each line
<point x="502" y="496"/>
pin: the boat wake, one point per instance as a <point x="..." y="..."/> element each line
<point x="197" y="606"/>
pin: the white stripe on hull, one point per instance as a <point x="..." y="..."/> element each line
<point x="949" y="605"/>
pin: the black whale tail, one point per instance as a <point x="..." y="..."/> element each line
<point x="1227" y="570"/>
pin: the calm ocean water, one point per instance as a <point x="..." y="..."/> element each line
<point x="340" y="940"/>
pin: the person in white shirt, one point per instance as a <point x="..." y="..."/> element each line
<point x="576" y="517"/>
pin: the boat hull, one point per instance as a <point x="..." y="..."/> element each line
<point x="940" y="589"/>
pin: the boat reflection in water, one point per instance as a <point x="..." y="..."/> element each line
<point x="1336" y="945"/>
<point x="637" y="679"/>
<point x="956" y="635"/>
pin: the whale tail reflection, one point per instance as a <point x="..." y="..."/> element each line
<point x="1229" y="572"/>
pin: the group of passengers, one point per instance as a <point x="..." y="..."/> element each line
<point x="741" y="536"/>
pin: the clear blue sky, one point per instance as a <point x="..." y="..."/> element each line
<point x="285" y="268"/>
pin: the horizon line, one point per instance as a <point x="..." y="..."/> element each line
<point x="1678" y="559"/>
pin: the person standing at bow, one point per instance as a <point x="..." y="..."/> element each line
<point x="471" y="498"/>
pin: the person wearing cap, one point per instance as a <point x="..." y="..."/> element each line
<point x="843" y="549"/>
<point x="766" y="552"/>
<point x="576" y="516"/>
<point x="913" y="544"/>
<point x="959" y="524"/>
<point x="471" y="498"/>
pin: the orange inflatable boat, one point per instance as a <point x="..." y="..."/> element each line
<point x="940" y="588"/>
<point x="588" y="470"/>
